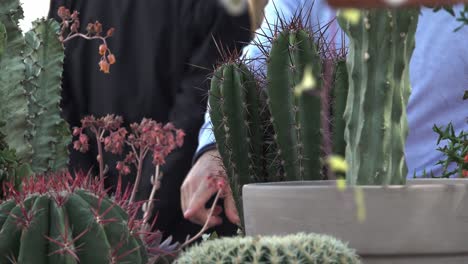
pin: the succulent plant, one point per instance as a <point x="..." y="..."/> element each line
<point x="273" y="131"/>
<point x="297" y="248"/>
<point x="295" y="106"/>
<point x="381" y="44"/>
<point x="60" y="219"/>
<point x="30" y="87"/>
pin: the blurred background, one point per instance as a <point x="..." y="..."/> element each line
<point x="33" y="9"/>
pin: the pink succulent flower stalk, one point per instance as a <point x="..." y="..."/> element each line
<point x="70" y="26"/>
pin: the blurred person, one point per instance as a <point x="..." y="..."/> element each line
<point x="438" y="82"/>
<point x="165" y="50"/>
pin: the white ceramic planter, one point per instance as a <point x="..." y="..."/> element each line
<point x="425" y="221"/>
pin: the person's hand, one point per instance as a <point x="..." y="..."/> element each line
<point x="200" y="185"/>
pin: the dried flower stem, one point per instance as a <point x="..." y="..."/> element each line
<point x="155" y="181"/>
<point x="138" y="176"/>
<point x="99" y="134"/>
<point x="205" y="226"/>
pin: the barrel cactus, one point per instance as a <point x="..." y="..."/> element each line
<point x="60" y="219"/>
<point x="297" y="248"/>
<point x="381" y="44"/>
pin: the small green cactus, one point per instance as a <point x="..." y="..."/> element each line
<point x="298" y="248"/>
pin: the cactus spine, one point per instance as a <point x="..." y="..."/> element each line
<point x="297" y="134"/>
<point x="30" y="90"/>
<point x="381" y="45"/>
<point x="298" y="248"/>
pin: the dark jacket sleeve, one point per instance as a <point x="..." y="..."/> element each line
<point x="214" y="29"/>
<point x="217" y="30"/>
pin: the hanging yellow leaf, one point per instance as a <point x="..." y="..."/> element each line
<point x="337" y="163"/>
<point x="308" y="82"/>
<point x="351" y="14"/>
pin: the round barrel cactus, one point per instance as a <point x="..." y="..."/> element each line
<point x="297" y="248"/>
<point x="60" y="219"/>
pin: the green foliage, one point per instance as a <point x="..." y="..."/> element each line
<point x="30" y="89"/>
<point x="381" y="45"/>
<point x="455" y="150"/>
<point x="462" y="16"/>
<point x="298" y="248"/>
<point x="11" y="169"/>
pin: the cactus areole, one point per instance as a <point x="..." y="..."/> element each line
<point x="58" y="219"/>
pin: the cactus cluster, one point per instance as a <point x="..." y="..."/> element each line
<point x="63" y="220"/>
<point x="30" y="91"/>
<point x="273" y="132"/>
<point x="381" y="44"/>
<point x="297" y="248"/>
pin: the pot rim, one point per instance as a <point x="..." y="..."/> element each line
<point x="411" y="184"/>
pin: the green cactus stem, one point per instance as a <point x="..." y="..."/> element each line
<point x="291" y="52"/>
<point x="13" y="97"/>
<point x="340" y="94"/>
<point x="44" y="72"/>
<point x="30" y="91"/>
<point x="381" y="45"/>
<point x="228" y="109"/>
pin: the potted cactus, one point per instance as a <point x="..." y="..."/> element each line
<point x="386" y="218"/>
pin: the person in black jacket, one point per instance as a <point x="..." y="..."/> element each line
<point x="165" y="51"/>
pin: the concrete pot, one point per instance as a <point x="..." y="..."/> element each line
<point x="390" y="3"/>
<point x="425" y="221"/>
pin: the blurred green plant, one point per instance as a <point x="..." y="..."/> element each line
<point x="462" y="15"/>
<point x="455" y="151"/>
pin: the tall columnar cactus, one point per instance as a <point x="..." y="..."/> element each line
<point x="234" y="112"/>
<point x="13" y="97"/>
<point x="63" y="220"/>
<point x="295" y="115"/>
<point x="340" y="95"/>
<point x="298" y="248"/>
<point x="381" y="45"/>
<point x="30" y="91"/>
